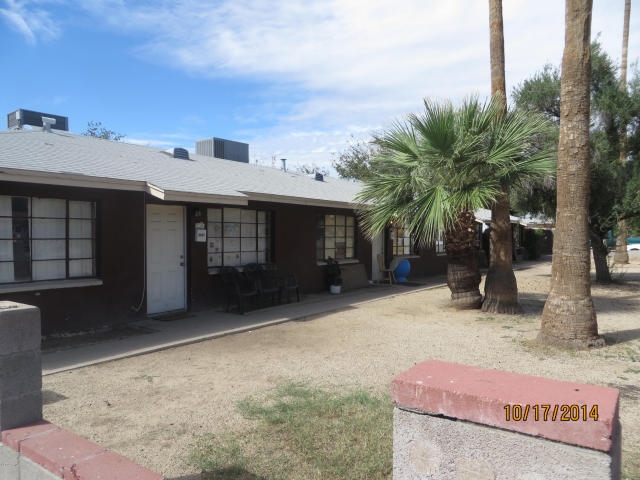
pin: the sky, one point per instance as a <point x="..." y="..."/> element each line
<point x="295" y="79"/>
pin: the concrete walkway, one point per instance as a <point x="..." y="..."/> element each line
<point x="200" y="326"/>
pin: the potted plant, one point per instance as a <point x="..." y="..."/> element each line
<point x="334" y="276"/>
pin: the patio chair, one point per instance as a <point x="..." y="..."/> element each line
<point x="237" y="287"/>
<point x="288" y="283"/>
<point x="289" y="286"/>
<point x="390" y="276"/>
<point x="268" y="283"/>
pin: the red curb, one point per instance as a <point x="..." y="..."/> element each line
<point x="12" y="437"/>
<point x="59" y="450"/>
<point x="70" y="456"/>
<point x="111" y="466"/>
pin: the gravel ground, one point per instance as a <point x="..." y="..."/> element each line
<point x="152" y="408"/>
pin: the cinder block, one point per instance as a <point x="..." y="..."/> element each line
<point x="20" y="373"/>
<point x="458" y="422"/>
<point x="9" y="460"/>
<point x="19" y="327"/>
<point x="20" y="410"/>
<point x="437" y="448"/>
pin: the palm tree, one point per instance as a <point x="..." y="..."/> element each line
<point x="433" y="170"/>
<point x="500" y="286"/>
<point x="622" y="255"/>
<point x="569" y="318"/>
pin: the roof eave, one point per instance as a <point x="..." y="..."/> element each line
<point x="85" y="181"/>
<point x="195" y="197"/>
<point x="70" y="180"/>
<point x="313" y="202"/>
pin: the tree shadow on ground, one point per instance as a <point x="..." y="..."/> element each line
<point x="621" y="336"/>
<point x="231" y="473"/>
<point x="533" y="303"/>
<point x="630" y="392"/>
<point x="527" y="264"/>
<point x="193" y="476"/>
<point x="613" y="304"/>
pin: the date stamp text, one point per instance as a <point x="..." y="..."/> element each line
<point x="548" y="412"/>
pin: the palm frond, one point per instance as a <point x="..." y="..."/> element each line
<point x="447" y="160"/>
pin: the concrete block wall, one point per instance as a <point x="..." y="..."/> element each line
<point x="458" y="422"/>
<point x="20" y="365"/>
<point x="32" y="448"/>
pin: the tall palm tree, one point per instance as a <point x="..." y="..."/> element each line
<point x="434" y="169"/>
<point x="500" y="287"/>
<point x="622" y="255"/>
<point x="569" y="317"/>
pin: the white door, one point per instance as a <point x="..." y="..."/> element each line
<point x="166" y="275"/>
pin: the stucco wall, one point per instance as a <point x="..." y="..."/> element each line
<point x="119" y="262"/>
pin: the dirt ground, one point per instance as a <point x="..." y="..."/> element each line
<point x="152" y="408"/>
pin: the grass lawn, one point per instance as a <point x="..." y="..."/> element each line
<point x="304" y="432"/>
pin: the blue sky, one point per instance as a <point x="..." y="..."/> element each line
<point x="296" y="79"/>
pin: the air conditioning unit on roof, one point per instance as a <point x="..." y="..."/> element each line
<point x="22" y="117"/>
<point x="221" y="148"/>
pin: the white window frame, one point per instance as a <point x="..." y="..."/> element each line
<point x="238" y="236"/>
<point x="57" y="237"/>
<point x="336" y="238"/>
<point x="402" y="242"/>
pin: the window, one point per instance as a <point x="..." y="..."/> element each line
<point x="237" y="236"/>
<point x="335" y="237"/>
<point x="46" y="239"/>
<point x="402" y="241"/>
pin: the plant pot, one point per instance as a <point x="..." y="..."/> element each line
<point x="335" y="289"/>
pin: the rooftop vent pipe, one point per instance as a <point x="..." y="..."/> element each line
<point x="47" y="122"/>
<point x="319" y="177"/>
<point x="284" y="164"/>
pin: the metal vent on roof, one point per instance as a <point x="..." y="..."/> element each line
<point x="181" y="153"/>
<point x="319" y="177"/>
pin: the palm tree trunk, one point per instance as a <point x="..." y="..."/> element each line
<point x="463" y="270"/>
<point x="501" y="287"/>
<point x="569" y="317"/>
<point x="622" y="255"/>
<point x="600" y="252"/>
<point x="496" y="49"/>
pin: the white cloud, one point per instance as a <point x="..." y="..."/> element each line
<point x="30" y="20"/>
<point x="332" y="67"/>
